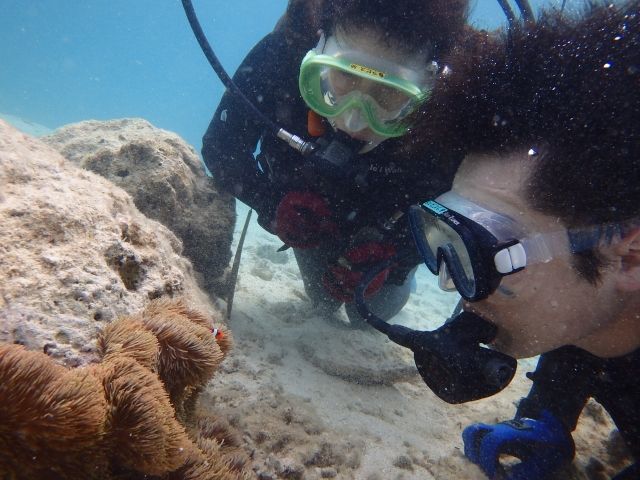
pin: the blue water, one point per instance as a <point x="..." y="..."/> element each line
<point x="63" y="61"/>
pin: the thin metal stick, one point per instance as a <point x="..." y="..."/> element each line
<point x="233" y="277"/>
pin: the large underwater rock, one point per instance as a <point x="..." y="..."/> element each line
<point x="167" y="181"/>
<point x="75" y="252"/>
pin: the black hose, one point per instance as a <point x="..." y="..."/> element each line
<point x="508" y="11"/>
<point x="451" y="360"/>
<point x="218" y="68"/>
<point x="526" y="11"/>
<point x="361" y="305"/>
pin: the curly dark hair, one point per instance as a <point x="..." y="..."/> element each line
<point x="410" y="25"/>
<point x="568" y="88"/>
<point x="565" y="88"/>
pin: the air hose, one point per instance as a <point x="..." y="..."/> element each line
<point x="294" y="141"/>
<point x="451" y="360"/>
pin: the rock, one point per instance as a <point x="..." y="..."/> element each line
<point x="291" y="470"/>
<point x="328" y="473"/>
<point x="75" y="252"/>
<point x="167" y="181"/>
<point x="404" y="462"/>
<point x="359" y="356"/>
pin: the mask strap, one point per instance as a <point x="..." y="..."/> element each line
<point x="319" y="49"/>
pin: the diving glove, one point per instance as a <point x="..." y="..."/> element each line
<point x="542" y="446"/>
<point x="303" y="219"/>
<point x="342" y="277"/>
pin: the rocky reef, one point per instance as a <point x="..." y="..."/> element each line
<point x="167" y="181"/>
<point x="75" y="253"/>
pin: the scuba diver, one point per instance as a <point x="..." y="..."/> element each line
<point x="349" y="73"/>
<point x="540" y="233"/>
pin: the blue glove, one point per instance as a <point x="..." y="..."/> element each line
<point x="542" y="446"/>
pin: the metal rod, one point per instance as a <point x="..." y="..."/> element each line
<point x="233" y="276"/>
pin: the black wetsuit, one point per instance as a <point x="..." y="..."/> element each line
<point x="269" y="77"/>
<point x="567" y="377"/>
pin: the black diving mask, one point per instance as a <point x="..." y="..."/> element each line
<point x="453" y="360"/>
<point x="471" y="248"/>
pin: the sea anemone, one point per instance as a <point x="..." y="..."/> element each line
<point x="189" y="353"/>
<point x="144" y="434"/>
<point x="129" y="337"/>
<point x="51" y="419"/>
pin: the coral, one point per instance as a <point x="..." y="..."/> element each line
<point x="144" y="434"/>
<point x="180" y="307"/>
<point x="48" y="412"/>
<point x="220" y="430"/>
<point x="120" y="418"/>
<point x="129" y="338"/>
<point x="189" y="352"/>
<point x="197" y="468"/>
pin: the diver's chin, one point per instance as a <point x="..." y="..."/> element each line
<point x="501" y="341"/>
<point x="370" y="145"/>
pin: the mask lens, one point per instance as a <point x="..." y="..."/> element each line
<point x="341" y="82"/>
<point x="445" y="282"/>
<point x="438" y="237"/>
<point x="389" y="103"/>
<point x="460" y="267"/>
<point x="385" y="102"/>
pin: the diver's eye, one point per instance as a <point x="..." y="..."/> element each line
<point x="343" y="82"/>
<point x="329" y="99"/>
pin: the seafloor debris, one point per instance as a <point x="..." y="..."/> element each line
<point x="130" y="416"/>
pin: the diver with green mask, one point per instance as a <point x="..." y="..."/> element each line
<point x="351" y="73"/>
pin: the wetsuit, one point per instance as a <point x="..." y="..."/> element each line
<point x="269" y="77"/>
<point x="567" y="377"/>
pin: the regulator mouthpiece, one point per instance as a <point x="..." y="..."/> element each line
<point x="453" y="360"/>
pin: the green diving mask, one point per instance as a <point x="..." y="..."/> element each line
<point x="368" y="91"/>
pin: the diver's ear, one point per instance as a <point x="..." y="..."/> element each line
<point x="628" y="249"/>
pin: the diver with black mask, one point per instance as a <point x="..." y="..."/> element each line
<point x="351" y="75"/>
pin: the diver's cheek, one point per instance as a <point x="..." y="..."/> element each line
<point x="514" y="322"/>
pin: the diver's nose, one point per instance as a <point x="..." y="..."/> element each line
<point x="445" y="282"/>
<point x="354" y="120"/>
